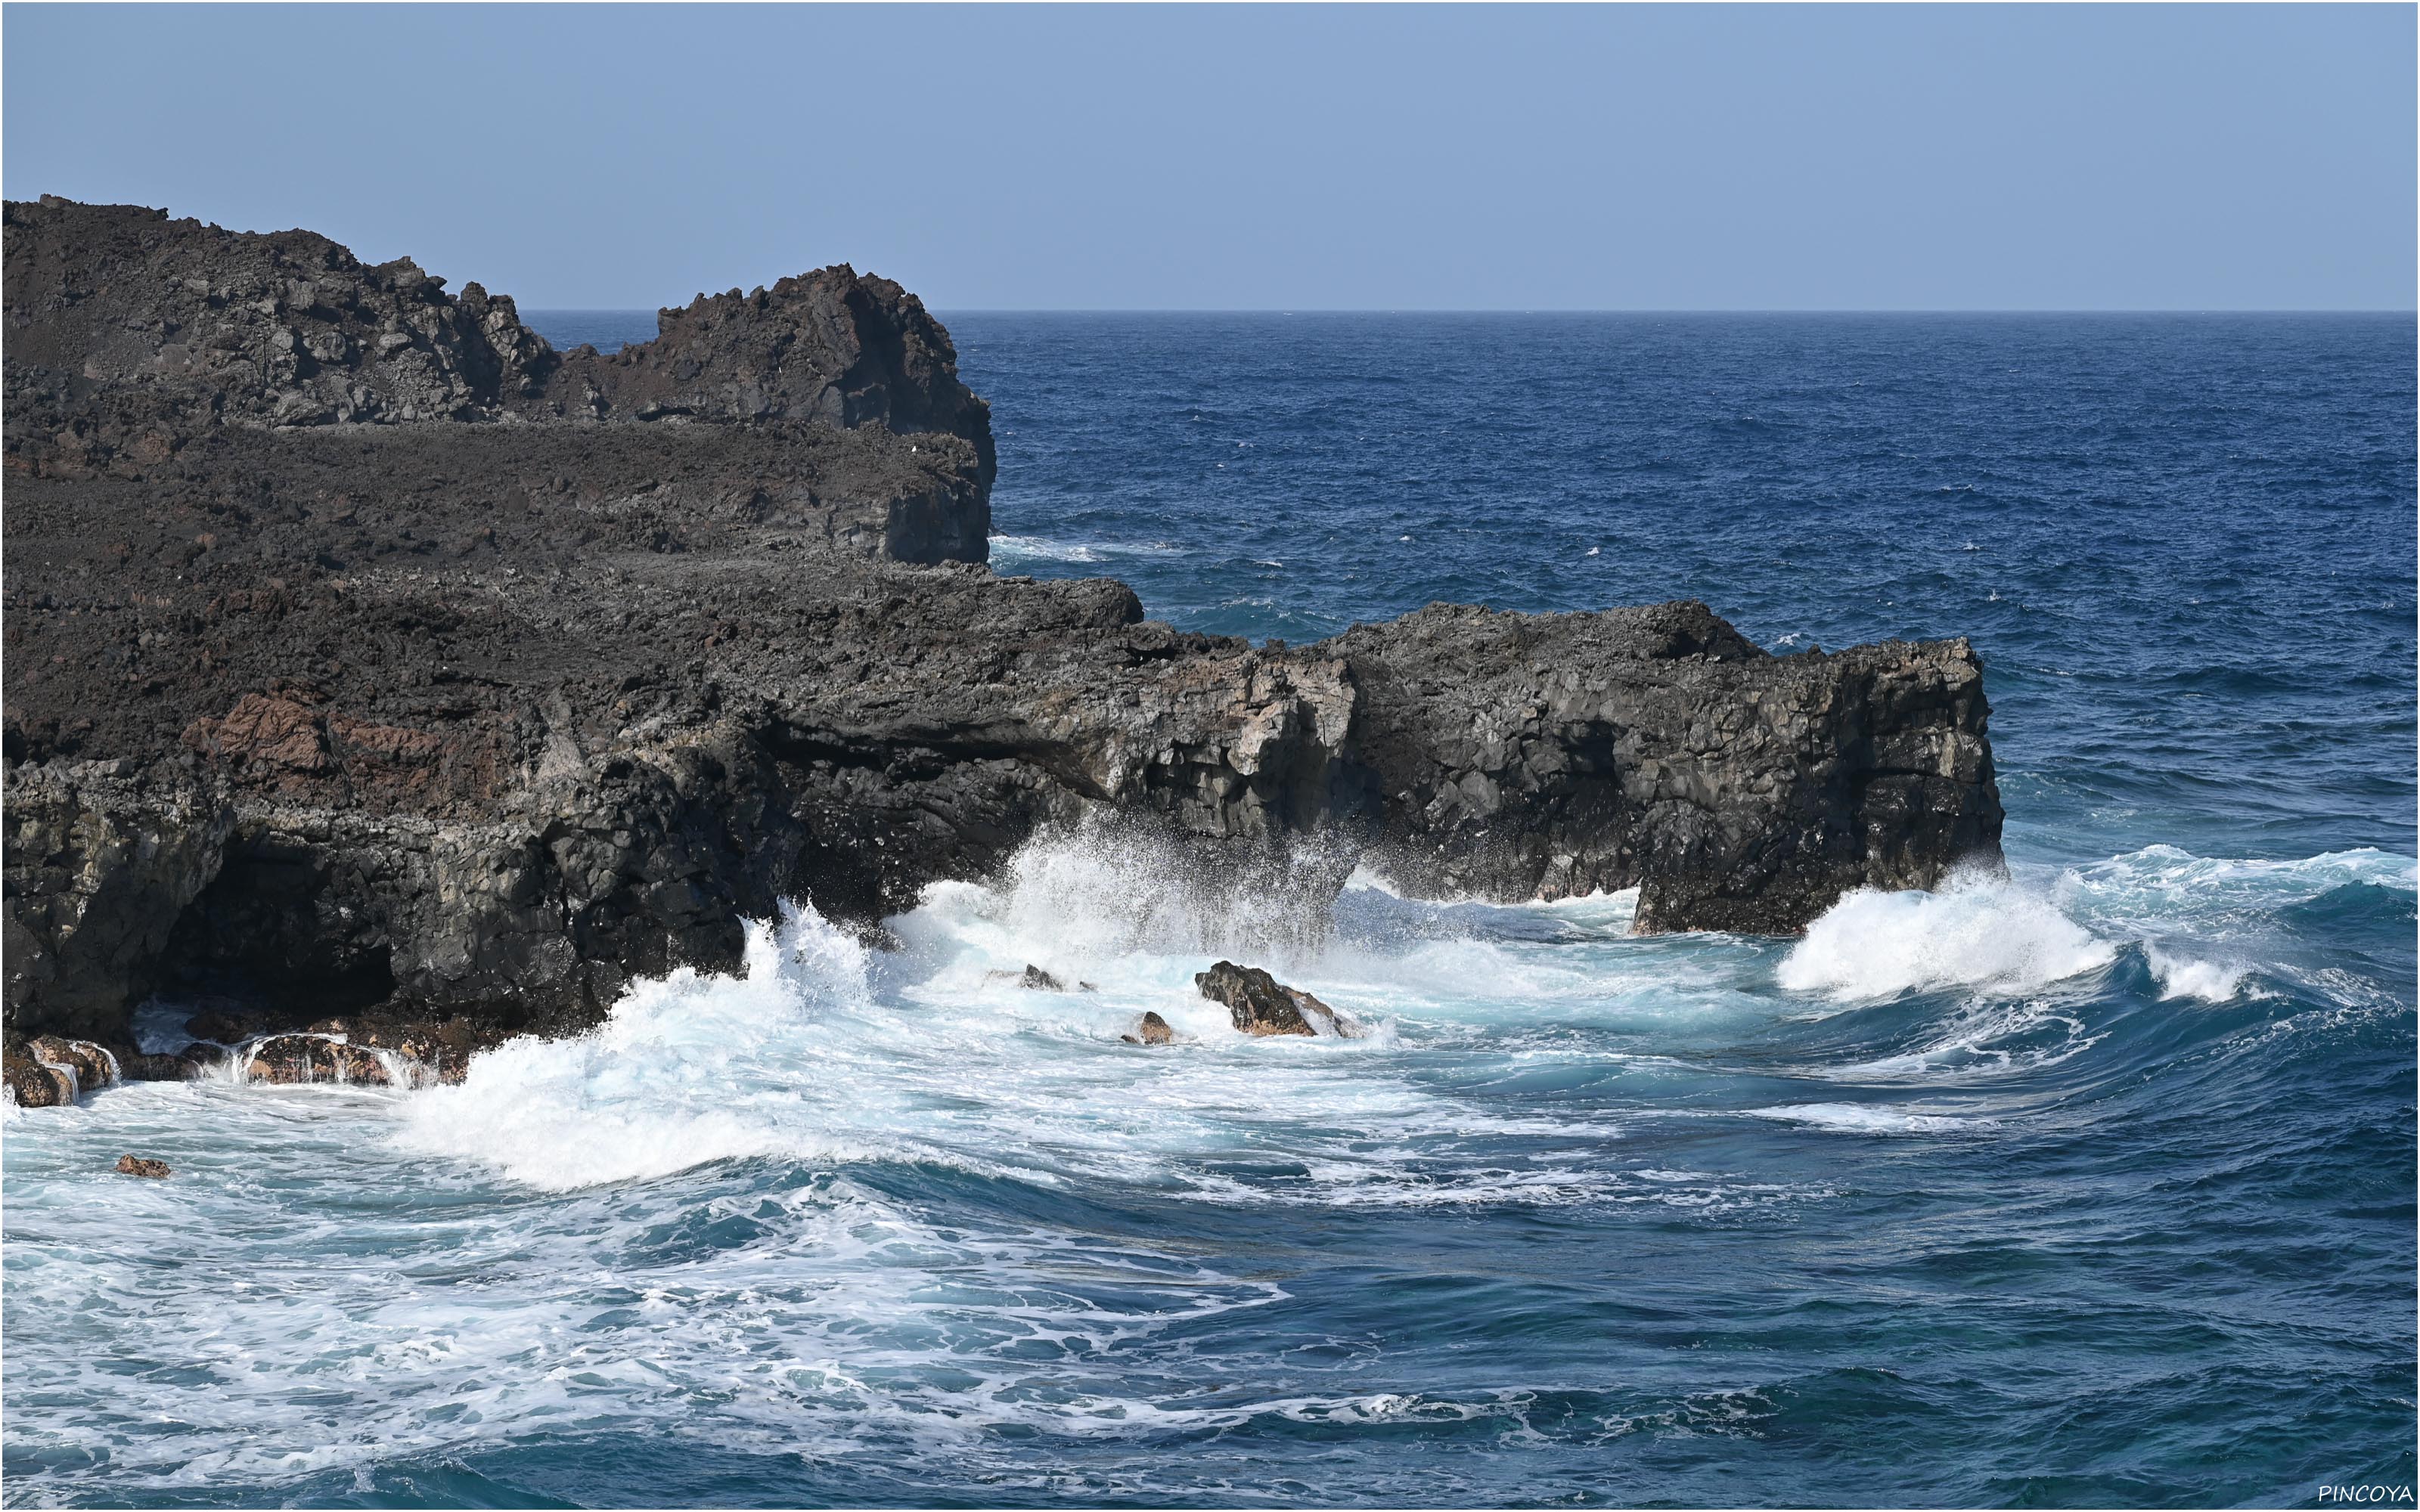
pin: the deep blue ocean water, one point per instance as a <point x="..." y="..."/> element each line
<point x="2094" y="1186"/>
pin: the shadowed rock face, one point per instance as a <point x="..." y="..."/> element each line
<point x="468" y="716"/>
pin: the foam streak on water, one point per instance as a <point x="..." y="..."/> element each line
<point x="2089" y="1183"/>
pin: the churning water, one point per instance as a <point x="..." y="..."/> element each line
<point x="2093" y="1184"/>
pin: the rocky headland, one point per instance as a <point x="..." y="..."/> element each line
<point x="377" y="672"/>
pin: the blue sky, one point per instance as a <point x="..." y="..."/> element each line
<point x="1272" y="157"/>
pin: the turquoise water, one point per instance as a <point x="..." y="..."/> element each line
<point x="2092" y="1186"/>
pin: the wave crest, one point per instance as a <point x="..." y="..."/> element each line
<point x="665" y="1083"/>
<point x="1977" y="933"/>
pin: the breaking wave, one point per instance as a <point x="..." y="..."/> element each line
<point x="888" y="1207"/>
<point x="1976" y="932"/>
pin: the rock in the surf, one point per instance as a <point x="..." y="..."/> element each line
<point x="1258" y="1003"/>
<point x="431" y="1049"/>
<point x="95" y="1066"/>
<point x="282" y="1048"/>
<point x="50" y="1071"/>
<point x="32" y="1084"/>
<point x="1033" y="978"/>
<point x="1152" y="1031"/>
<point x="288" y="1059"/>
<point x="138" y="1166"/>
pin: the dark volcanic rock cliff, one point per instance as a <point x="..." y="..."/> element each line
<point x="480" y="677"/>
<point x="133" y="339"/>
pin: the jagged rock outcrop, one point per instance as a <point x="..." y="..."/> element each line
<point x="127" y="330"/>
<point x="35" y="1082"/>
<point x="461" y="722"/>
<point x="1553" y="755"/>
<point x="265" y="1043"/>
<point x="833" y="346"/>
<point x="1259" y="1004"/>
<point x="286" y="1059"/>
<point x="237" y="370"/>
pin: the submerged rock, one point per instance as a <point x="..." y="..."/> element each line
<point x="1152" y="1031"/>
<point x="137" y="1165"/>
<point x="1259" y="1004"/>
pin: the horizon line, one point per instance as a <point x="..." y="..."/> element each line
<point x="1623" y="310"/>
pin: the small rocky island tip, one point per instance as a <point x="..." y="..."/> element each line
<point x="369" y="657"/>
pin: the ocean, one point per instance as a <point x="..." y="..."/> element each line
<point x="2092" y="1185"/>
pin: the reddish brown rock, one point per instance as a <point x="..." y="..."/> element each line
<point x="32" y="1084"/>
<point x="95" y="1066"/>
<point x="1259" y="1004"/>
<point x="1152" y="1031"/>
<point x="288" y="1059"/>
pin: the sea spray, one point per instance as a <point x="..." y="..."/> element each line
<point x="1078" y="897"/>
<point x="687" y="1069"/>
<point x="1976" y="932"/>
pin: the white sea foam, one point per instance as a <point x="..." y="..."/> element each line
<point x="686" y="1070"/>
<point x="1983" y="1039"/>
<point x="803" y="1319"/>
<point x="1977" y="933"/>
<point x="346" y="1279"/>
<point x="2161" y="884"/>
<point x="1612" y="911"/>
<point x="1368" y="878"/>
<point x="823" y="1054"/>
<point x="2182" y="976"/>
<point x="1859" y="1117"/>
<point x="1007" y="550"/>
